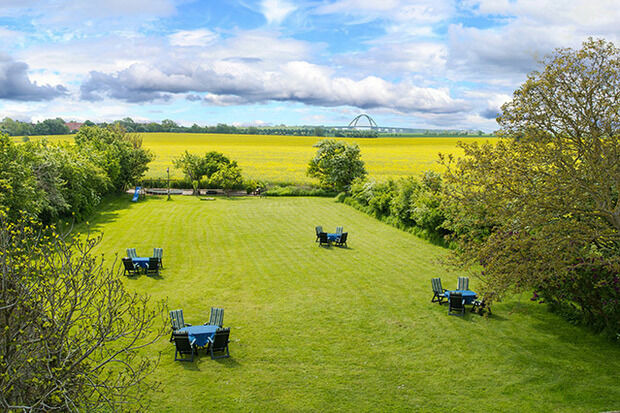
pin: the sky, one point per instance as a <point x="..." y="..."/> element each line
<point x="438" y="64"/>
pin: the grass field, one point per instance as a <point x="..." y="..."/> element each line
<point x="285" y="158"/>
<point x="342" y="329"/>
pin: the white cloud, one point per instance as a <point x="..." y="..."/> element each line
<point x="199" y="37"/>
<point x="275" y="11"/>
<point x="403" y="59"/>
<point x="600" y="15"/>
<point x="237" y="83"/>
<point x="396" y="10"/>
<point x="76" y="11"/>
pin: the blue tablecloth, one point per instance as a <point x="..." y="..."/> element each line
<point x="201" y="334"/>
<point x="141" y="261"/>
<point x="468" y="295"/>
<point x="333" y="237"/>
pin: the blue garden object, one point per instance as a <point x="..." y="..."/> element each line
<point x="136" y="194"/>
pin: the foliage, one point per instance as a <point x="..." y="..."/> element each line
<point x="124" y="159"/>
<point x="336" y="164"/>
<point x="212" y="165"/>
<point x="296" y="190"/>
<point x="227" y="177"/>
<point x="356" y="133"/>
<point x="67" y="179"/>
<point x="17" y="181"/>
<point x="70" y="329"/>
<point x="407" y="203"/>
<point x="51" y="180"/>
<point x="549" y="191"/>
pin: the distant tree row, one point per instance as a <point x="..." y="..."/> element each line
<point x="47" y="127"/>
<point x="59" y="127"/>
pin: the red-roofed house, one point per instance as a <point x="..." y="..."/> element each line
<point x="74" y="126"/>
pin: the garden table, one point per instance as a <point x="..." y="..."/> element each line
<point x="141" y="261"/>
<point x="333" y="237"/>
<point x="468" y="296"/>
<point x="201" y="334"/>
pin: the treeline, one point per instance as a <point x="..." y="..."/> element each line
<point x="59" y="127"/>
<point x="47" y="127"/>
<point x="53" y="180"/>
<point x="168" y="125"/>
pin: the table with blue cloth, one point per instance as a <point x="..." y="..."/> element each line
<point x="143" y="262"/>
<point x="468" y="296"/>
<point x="333" y="237"/>
<point x="201" y="334"/>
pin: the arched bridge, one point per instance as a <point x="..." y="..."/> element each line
<point x="371" y="122"/>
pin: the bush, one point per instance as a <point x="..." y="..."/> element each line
<point x="297" y="191"/>
<point x="341" y="196"/>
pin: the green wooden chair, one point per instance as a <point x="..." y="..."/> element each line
<point x="456" y="304"/>
<point x="131" y="253"/>
<point x="159" y="254"/>
<point x="438" y="292"/>
<point x="153" y="266"/>
<point x="176" y="320"/>
<point x="217" y="317"/>
<point x="183" y="346"/>
<point x="323" y="239"/>
<point x="342" y="239"/>
<point x="318" y="231"/>
<point x="339" y="230"/>
<point x="462" y="283"/>
<point x="219" y="343"/>
<point x="130" y="267"/>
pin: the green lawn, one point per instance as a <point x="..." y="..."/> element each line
<point x="335" y="329"/>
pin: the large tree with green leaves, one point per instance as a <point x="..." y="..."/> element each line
<point x="228" y="177"/>
<point x="18" y="184"/>
<point x="196" y="167"/>
<point x="117" y="152"/>
<point x="336" y="164"/>
<point x="541" y="209"/>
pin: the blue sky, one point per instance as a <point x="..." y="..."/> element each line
<point x="419" y="64"/>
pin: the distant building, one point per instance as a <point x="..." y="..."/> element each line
<point x="74" y="126"/>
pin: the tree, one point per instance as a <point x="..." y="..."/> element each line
<point x="119" y="153"/>
<point x="196" y="167"/>
<point x="168" y="125"/>
<point x="192" y="166"/>
<point x="51" y="127"/>
<point x="336" y="164"/>
<point x="68" y="180"/>
<point x="228" y="177"/>
<point x="18" y="186"/>
<point x="70" y="330"/>
<point x="541" y="209"/>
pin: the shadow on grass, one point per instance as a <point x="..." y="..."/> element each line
<point x="139" y="276"/>
<point x="106" y="212"/>
<point x="468" y="316"/>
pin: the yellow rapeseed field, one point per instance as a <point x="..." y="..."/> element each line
<point x="285" y="158"/>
